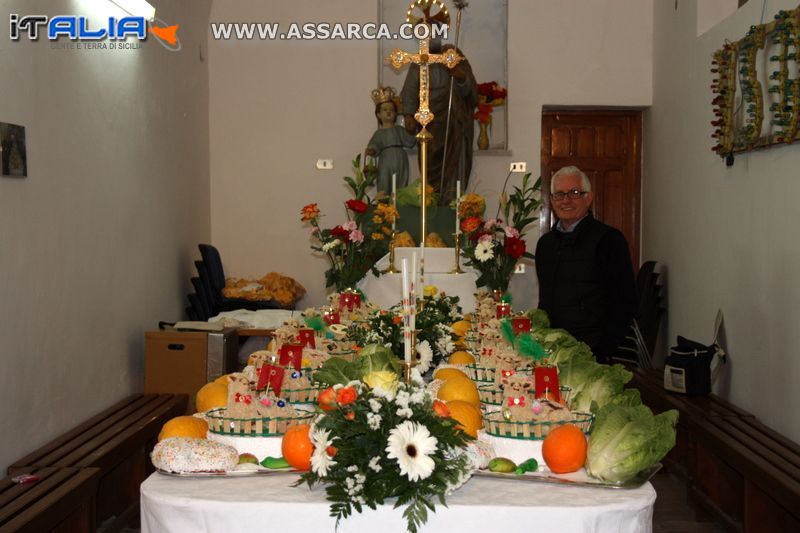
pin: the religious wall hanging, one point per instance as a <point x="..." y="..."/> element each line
<point x="13" y="153"/>
<point x="748" y="115"/>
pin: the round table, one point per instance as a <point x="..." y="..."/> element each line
<point x="261" y="503"/>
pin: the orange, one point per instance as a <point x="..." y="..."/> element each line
<point x="449" y="373"/>
<point x="564" y="449"/>
<point x="211" y="396"/>
<point x="184" y="426"/>
<point x="460" y="389"/>
<point x="468" y="416"/>
<point x="461" y="358"/>
<point x="297" y="447"/>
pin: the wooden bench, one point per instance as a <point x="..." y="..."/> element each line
<point x="117" y="441"/>
<point x="63" y="500"/>
<point x="651" y="386"/>
<point x="739" y="470"/>
<point x="746" y="474"/>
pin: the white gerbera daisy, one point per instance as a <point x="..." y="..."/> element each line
<point x="320" y="460"/>
<point x="484" y="252"/>
<point x="424" y="356"/>
<point x="411" y="445"/>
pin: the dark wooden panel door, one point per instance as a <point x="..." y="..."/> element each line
<point x="606" y="145"/>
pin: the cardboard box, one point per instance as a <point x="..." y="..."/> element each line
<point x="183" y="361"/>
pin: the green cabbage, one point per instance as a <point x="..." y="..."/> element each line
<point x="539" y="319"/>
<point x="568" y="349"/>
<point x="626" y="440"/>
<point x="372" y="358"/>
<point x="603" y="384"/>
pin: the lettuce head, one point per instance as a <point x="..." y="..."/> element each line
<point x="628" y="439"/>
<point x="603" y="384"/>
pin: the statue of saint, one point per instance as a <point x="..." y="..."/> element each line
<point x="389" y="142"/>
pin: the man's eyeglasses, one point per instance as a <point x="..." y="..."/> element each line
<point x="573" y="194"/>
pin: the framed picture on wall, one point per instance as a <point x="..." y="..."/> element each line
<point x="12" y="148"/>
<point x="483" y="39"/>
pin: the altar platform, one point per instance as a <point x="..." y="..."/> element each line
<point x="439" y="262"/>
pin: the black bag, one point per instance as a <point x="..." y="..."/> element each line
<point x="687" y="368"/>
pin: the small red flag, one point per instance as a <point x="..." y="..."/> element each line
<point x="291" y="354"/>
<point x="546" y="383"/>
<point x="271" y="377"/>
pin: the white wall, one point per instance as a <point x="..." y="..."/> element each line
<point x="97" y="243"/>
<point x="278" y="106"/>
<point x="725" y="234"/>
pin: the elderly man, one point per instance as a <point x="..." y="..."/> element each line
<point x="586" y="280"/>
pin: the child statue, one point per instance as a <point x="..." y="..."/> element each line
<point x="388" y="143"/>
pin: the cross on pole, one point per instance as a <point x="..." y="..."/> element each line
<point x="399" y="58"/>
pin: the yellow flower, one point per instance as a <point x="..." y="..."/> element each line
<point x="472" y="205"/>
<point x="386" y="211"/>
<point x="377" y="220"/>
<point x="430" y="290"/>
<point x="377" y="236"/>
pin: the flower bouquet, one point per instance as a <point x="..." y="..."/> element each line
<point x="494" y="246"/>
<point x="379" y="439"/>
<point x="490" y="95"/>
<point x="354" y="246"/>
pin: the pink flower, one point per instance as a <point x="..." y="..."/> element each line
<point x="511" y="232"/>
<point x="486" y="237"/>
<point x="357" y="236"/>
<point x="491" y="223"/>
<point x="350" y="225"/>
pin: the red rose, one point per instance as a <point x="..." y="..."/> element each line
<point x="346" y="395"/>
<point x="357" y="206"/>
<point x="515" y="247"/>
<point x="340" y="233"/>
<point x="470" y="224"/>
<point x="327" y="399"/>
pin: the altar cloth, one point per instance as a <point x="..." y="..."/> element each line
<point x="170" y="504"/>
<point x="386" y="289"/>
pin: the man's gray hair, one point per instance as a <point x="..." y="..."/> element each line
<point x="586" y="185"/>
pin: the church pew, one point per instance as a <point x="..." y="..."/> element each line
<point x="116" y="441"/>
<point x="63" y="500"/>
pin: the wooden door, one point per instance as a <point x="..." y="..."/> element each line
<point x="606" y="145"/>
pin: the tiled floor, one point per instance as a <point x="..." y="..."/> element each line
<point x="672" y="512"/>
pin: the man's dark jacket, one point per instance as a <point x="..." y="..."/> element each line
<point x="586" y="284"/>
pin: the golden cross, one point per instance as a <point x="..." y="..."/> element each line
<point x="424" y="59"/>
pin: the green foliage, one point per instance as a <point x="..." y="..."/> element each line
<point x="605" y="382"/>
<point x="361" y="454"/>
<point x="372" y="358"/>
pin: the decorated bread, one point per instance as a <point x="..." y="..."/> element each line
<point x="187" y="455"/>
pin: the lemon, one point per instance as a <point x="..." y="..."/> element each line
<point x="449" y="373"/>
<point x="468" y="416"/>
<point x="184" y="426"/>
<point x="210" y="396"/>
<point x="460" y="389"/>
<point x="461" y="327"/>
<point x="461" y="358"/>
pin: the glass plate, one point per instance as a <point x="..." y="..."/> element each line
<point x="579" y="478"/>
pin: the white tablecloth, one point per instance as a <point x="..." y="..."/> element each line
<point x="385" y="290"/>
<point x="269" y="503"/>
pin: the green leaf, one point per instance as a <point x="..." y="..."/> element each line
<point x="337" y="370"/>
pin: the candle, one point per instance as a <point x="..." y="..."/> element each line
<point x="458" y="204"/>
<point x="406" y="312"/>
<point x="394" y="200"/>
<point x="413" y="292"/>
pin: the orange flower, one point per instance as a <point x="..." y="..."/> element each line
<point x="470" y="224"/>
<point x="309" y="212"/>
<point x="350" y="415"/>
<point x="327" y="399"/>
<point x="471" y="205"/>
<point x="377" y="236"/>
<point x="331" y="451"/>
<point x="440" y="408"/>
<point x="346" y="395"/>
<point x="397" y="319"/>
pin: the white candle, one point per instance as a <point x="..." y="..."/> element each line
<point x="458" y="204"/>
<point x="413" y="291"/>
<point x="406" y="312"/>
<point x="394" y="200"/>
